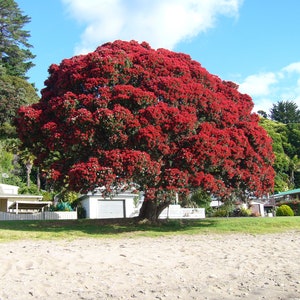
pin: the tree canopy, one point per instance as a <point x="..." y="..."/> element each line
<point x="15" y="61"/>
<point x="128" y="113"/>
<point x="286" y="147"/>
<point x="285" y="112"/>
<point x="15" y="54"/>
<point x="15" y="91"/>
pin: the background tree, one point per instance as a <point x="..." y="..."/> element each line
<point x="14" y="92"/>
<point x="127" y="113"/>
<point x="201" y="199"/>
<point x="285" y="112"/>
<point x="286" y="139"/>
<point x="6" y="165"/>
<point x="15" y="54"/>
<point x="262" y="113"/>
<point x="15" y="61"/>
<point x="293" y="151"/>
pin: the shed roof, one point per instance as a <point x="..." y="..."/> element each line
<point x="29" y="204"/>
<point x="290" y="192"/>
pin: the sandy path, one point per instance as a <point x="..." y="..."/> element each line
<point x="180" y="267"/>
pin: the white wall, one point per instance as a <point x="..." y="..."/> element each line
<point x="7" y="189"/>
<point x="178" y="212"/>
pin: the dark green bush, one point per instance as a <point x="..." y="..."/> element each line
<point x="81" y="212"/>
<point x="295" y="206"/>
<point x="284" y="210"/>
<point x="241" y="212"/>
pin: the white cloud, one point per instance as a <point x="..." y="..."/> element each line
<point x="294" y="67"/>
<point x="161" y="23"/>
<point x="259" y="84"/>
<point x="268" y="88"/>
<point x="264" y="104"/>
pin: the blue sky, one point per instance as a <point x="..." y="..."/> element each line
<point x="254" y="43"/>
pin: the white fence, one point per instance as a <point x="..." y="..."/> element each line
<point x="46" y="215"/>
<point x="178" y="212"/>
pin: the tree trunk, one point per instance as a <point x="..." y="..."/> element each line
<point x="38" y="179"/>
<point x="28" y="171"/>
<point x="150" y="210"/>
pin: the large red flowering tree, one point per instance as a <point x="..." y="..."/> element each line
<point x="128" y="113"/>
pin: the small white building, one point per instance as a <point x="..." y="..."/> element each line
<point x="27" y="207"/>
<point x="11" y="201"/>
<point x="120" y="205"/>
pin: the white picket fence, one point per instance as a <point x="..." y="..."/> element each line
<point x="46" y="215"/>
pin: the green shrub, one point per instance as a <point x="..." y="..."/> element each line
<point x="221" y="212"/>
<point x="294" y="205"/>
<point x="63" y="206"/>
<point x="68" y="196"/>
<point x="209" y="212"/>
<point x="47" y="196"/>
<point x="284" y="210"/>
<point x="81" y="212"/>
<point x="241" y="212"/>
<point x="31" y="190"/>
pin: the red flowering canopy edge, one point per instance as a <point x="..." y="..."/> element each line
<point x="129" y="113"/>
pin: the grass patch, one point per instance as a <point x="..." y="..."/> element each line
<point x="72" y="229"/>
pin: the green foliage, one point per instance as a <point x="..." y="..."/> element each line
<point x="136" y="200"/>
<point x="29" y="190"/>
<point x="14" y="169"/>
<point x="14" y="92"/>
<point x="292" y="145"/>
<point x="201" y="198"/>
<point x="47" y="196"/>
<point x="296" y="208"/>
<point x="286" y="147"/>
<point x="68" y="196"/>
<point x="6" y="159"/>
<point x="281" y="182"/>
<point x="241" y="212"/>
<point x="8" y="174"/>
<point x="285" y="112"/>
<point x="68" y="201"/>
<point x="15" y="54"/>
<point x="81" y="212"/>
<point x="221" y="212"/>
<point x="63" y="206"/>
<point x="262" y="113"/>
<point x="7" y="130"/>
<point x="284" y="210"/>
<point x="226" y="211"/>
<point x="294" y="205"/>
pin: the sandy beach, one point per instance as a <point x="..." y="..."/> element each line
<point x="179" y="267"/>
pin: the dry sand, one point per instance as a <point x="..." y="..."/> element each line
<point x="178" y="267"/>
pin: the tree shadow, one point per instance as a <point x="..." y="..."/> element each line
<point x="105" y="227"/>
